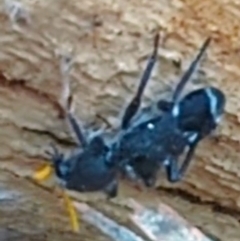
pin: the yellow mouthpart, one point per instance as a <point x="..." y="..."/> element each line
<point x="72" y="213"/>
<point x="43" y="174"/>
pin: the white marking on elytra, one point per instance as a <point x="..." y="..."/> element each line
<point x="191" y="137"/>
<point x="150" y="126"/>
<point x="166" y="162"/>
<point x="213" y="105"/>
<point x="175" y="110"/>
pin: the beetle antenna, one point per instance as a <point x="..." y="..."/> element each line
<point x="187" y="75"/>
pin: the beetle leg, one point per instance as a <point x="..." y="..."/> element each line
<point x="112" y="189"/>
<point x="133" y="107"/>
<point x="174" y="173"/>
<point x="77" y="130"/>
<point x="72" y="212"/>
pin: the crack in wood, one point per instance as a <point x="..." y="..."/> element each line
<point x="21" y="85"/>
<point x="65" y="142"/>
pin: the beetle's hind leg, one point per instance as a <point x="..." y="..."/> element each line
<point x="174" y="173"/>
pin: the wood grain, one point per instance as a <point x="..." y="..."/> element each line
<point x="110" y="42"/>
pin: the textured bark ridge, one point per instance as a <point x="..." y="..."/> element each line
<point x="109" y="42"/>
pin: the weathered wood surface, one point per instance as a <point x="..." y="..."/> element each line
<point x="110" y="42"/>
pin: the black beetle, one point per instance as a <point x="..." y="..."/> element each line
<point x="91" y="168"/>
<point x="161" y="140"/>
<point x="86" y="170"/>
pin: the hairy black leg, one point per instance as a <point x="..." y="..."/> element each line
<point x="190" y="70"/>
<point x="175" y="174"/>
<point x="112" y="189"/>
<point x="77" y="130"/>
<point x="136" y="101"/>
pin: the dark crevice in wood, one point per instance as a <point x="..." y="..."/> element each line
<point x="65" y="142"/>
<point x="21" y="86"/>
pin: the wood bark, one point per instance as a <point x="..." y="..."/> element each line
<point x="110" y="42"/>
